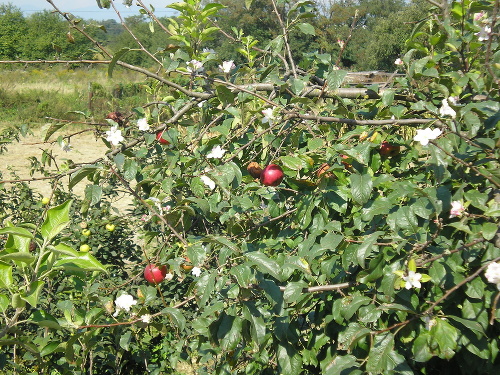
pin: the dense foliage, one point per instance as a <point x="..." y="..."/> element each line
<point x="378" y="252"/>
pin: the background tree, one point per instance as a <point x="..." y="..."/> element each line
<point x="12" y="30"/>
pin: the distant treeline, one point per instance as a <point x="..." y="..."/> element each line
<point x="356" y="34"/>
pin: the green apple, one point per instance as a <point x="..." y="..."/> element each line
<point x="45" y="201"/>
<point x="84" y="248"/>
<point x="110" y="227"/>
<point x="86" y="232"/>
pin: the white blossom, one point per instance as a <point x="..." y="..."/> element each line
<point x="446" y="110"/>
<point x="114" y="136"/>
<point x="492" y="274"/>
<point x="216" y="153"/>
<point x="146" y="318"/>
<point x="425" y="135"/>
<point x="484" y="34"/>
<point x="457" y="208"/>
<point x="207" y="181"/>
<point x="66" y="147"/>
<point x="412" y="280"/>
<point x="124" y="302"/>
<point x="268" y="116"/>
<point x="169" y="276"/>
<point x="143" y="125"/>
<point x="196" y="271"/>
<point x="195" y="66"/>
<point x="429" y="323"/>
<point x="398" y="61"/>
<point x="227" y="66"/>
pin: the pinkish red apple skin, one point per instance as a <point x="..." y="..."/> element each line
<point x="272" y="175"/>
<point x="155" y="274"/>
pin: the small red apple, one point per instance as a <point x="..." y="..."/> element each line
<point x="155" y="274"/>
<point x="387" y="149"/>
<point x="272" y="175"/>
<point x="159" y="138"/>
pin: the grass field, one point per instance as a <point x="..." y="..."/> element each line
<point x="32" y="95"/>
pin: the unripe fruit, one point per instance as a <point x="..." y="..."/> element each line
<point x="254" y="169"/>
<point x="188" y="266"/>
<point x="160" y="139"/>
<point x="84" y="248"/>
<point x="17" y="301"/>
<point x="155" y="274"/>
<point x="110" y="227"/>
<point x="272" y="175"/>
<point x="86" y="232"/>
<point x="386" y="149"/>
<point x="45" y="201"/>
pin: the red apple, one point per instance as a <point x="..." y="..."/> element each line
<point x="272" y="175"/>
<point x="160" y="139"/>
<point x="386" y="149"/>
<point x="155" y="274"/>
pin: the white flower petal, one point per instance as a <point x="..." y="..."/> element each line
<point x="209" y="182"/>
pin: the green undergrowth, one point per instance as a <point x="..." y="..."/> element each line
<point x="34" y="95"/>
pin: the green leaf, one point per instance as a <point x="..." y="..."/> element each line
<point x="341" y="363"/>
<point x="16" y="231"/>
<point x="365" y="249"/>
<point x="4" y="302"/>
<point x="82" y="262"/>
<point x="446" y="337"/>
<point x="50" y="348"/>
<point x="115" y="59"/>
<point x="335" y="78"/>
<point x="361" y="187"/>
<point x="294" y="291"/>
<point x="352" y="304"/>
<point x="93" y="194"/>
<point x="265" y="264"/>
<point x="57" y="219"/>
<point x="488" y="230"/>
<point x="470" y="324"/>
<point x="243" y="275"/>
<point x="80" y="175"/>
<point x="18" y="257"/>
<point x="125" y="340"/>
<point x="129" y="169"/>
<point x="229" y="331"/>
<point x="289" y="360"/>
<point x="6" y="279"/>
<point x="420" y="348"/>
<point x="348" y="337"/>
<point x="44" y="319"/>
<point x="307" y="28"/>
<point x="178" y="319"/>
<point x="34" y="292"/>
<point x="258" y="326"/>
<point x="380" y="360"/>
<point x="225" y="95"/>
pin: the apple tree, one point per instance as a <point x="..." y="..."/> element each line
<point x="372" y="246"/>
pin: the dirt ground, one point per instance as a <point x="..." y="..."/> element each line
<point x="85" y="148"/>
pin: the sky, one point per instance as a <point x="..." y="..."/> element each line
<point x="87" y="9"/>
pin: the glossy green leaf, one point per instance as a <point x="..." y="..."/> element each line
<point x="57" y="219"/>
<point x="361" y="187"/>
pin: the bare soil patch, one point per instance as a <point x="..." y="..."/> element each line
<point x="85" y="148"/>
